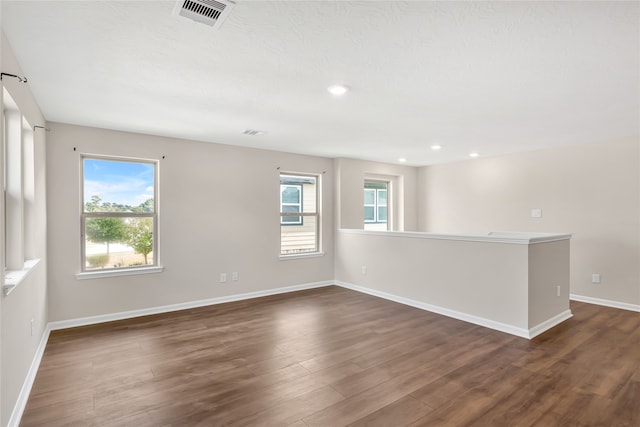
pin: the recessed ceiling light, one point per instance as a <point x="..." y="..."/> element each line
<point x="402" y="160"/>
<point x="474" y="154"/>
<point x="338" y="90"/>
<point x="436" y="147"/>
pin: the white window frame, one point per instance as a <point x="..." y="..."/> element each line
<point x="316" y="214"/>
<point x="300" y="189"/>
<point x="119" y="271"/>
<point x="18" y="191"/>
<point x="376" y="202"/>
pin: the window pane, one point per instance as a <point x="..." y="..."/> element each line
<point x="299" y="234"/>
<point x="382" y="197"/>
<point x="118" y="242"/>
<point x="309" y="193"/>
<point x="290" y="208"/>
<point x="299" y="239"/>
<point x="291" y="220"/>
<point x="369" y="213"/>
<point x="290" y="194"/>
<point x="382" y="214"/>
<point x="118" y="186"/>
<point x="369" y="196"/>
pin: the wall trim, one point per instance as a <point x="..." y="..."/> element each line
<point x="476" y="320"/>
<point x="481" y="321"/>
<point x="25" y="391"/>
<point x="92" y="320"/>
<point x="513" y="238"/>
<point x="605" y="302"/>
<point x="550" y="323"/>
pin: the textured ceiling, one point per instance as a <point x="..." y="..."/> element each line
<point x="492" y="77"/>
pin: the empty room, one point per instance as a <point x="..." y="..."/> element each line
<point x="319" y="213"/>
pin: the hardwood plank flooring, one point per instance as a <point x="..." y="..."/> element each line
<point x="334" y="357"/>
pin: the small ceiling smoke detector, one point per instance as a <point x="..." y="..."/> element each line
<point x="253" y="132"/>
<point x="209" y="12"/>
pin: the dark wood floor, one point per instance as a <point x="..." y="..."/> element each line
<point x="334" y="357"/>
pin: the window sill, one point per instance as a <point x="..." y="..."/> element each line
<point x="13" y="278"/>
<point x="299" y="256"/>
<point x="114" y="273"/>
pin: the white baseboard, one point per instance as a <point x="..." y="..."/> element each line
<point x="23" y="397"/>
<point x="84" y="321"/>
<point x="549" y="323"/>
<point x="605" y="302"/>
<point x="476" y="320"/>
<point x="502" y="327"/>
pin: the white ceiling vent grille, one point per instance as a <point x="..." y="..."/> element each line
<point x="209" y="12"/>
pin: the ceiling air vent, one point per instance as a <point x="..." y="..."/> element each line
<point x="209" y="12"/>
<point x="253" y="132"/>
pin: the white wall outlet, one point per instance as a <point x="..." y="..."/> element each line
<point x="363" y="269"/>
<point x="234" y="276"/>
<point x="223" y="277"/>
<point x="33" y="327"/>
<point x="536" y="213"/>
<point x="558" y="290"/>
<point x="595" y="278"/>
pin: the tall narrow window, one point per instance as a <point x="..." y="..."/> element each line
<point x="299" y="214"/>
<point x="119" y="214"/>
<point x="375" y="205"/>
<point x="13" y="186"/>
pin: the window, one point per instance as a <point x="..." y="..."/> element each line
<point x="299" y="217"/>
<point x="119" y="214"/>
<point x="290" y="201"/>
<point x="19" y="195"/>
<point x="375" y="205"/>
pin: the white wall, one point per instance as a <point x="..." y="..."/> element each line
<point x="219" y="212"/>
<point x="350" y="176"/>
<point x="29" y="300"/>
<point x="592" y="191"/>
<point x="485" y="280"/>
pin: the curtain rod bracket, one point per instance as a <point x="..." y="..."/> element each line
<point x="22" y="79"/>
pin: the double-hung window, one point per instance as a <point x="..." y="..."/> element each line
<point x="299" y="214"/>
<point x="375" y="204"/>
<point x="119" y="215"/>
<point x="18" y="184"/>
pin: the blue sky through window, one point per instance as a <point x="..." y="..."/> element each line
<point x="126" y="183"/>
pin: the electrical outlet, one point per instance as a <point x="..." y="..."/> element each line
<point x="223" y="277"/>
<point x="234" y="276"/>
<point x="595" y="278"/>
<point x="33" y="327"/>
<point x="558" y="290"/>
<point x="536" y="213"/>
<point x="364" y="269"/>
